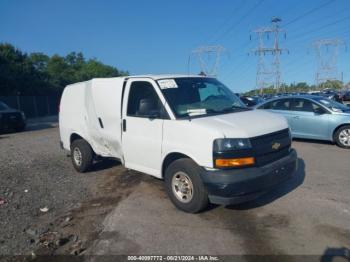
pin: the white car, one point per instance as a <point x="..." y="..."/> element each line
<point x="191" y="131"/>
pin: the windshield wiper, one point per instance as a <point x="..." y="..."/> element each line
<point x="210" y="111"/>
<point x="234" y="108"/>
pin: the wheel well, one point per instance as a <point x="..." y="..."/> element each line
<point x="74" y="137"/>
<point x="335" y="130"/>
<point x="171" y="158"/>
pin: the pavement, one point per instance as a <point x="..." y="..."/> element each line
<point x="307" y="215"/>
<point x="111" y="210"/>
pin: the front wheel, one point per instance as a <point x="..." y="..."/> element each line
<point x="185" y="187"/>
<point x="81" y="155"/>
<point x="342" y="137"/>
<point x="21" y="128"/>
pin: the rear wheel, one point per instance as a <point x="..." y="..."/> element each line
<point x="81" y="155"/>
<point x="185" y="187"/>
<point x="342" y="136"/>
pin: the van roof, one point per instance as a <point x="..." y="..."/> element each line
<point x="154" y="77"/>
<point x="165" y="76"/>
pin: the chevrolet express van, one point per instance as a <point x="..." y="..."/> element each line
<point x="190" y="131"/>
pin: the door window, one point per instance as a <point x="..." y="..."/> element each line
<point x="144" y="101"/>
<point x="304" y="105"/>
<point x="280" y="104"/>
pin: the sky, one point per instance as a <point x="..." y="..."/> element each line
<point x="158" y="36"/>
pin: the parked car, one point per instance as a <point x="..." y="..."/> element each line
<point x="314" y="117"/>
<point x="251" y="101"/>
<point x="345" y="97"/>
<point x="193" y="132"/>
<point x="267" y="96"/>
<point x="11" y="119"/>
<point x="317" y="93"/>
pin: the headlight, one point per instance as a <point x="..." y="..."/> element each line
<point x="228" y="144"/>
<point x="23" y="116"/>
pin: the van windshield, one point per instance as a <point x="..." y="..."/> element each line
<point x="196" y="96"/>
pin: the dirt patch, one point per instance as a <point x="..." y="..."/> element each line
<point x="272" y="221"/>
<point x="255" y="230"/>
<point x="340" y="234"/>
<point x="255" y="233"/>
<point x="77" y="228"/>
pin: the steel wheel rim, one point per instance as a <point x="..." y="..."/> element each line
<point x="77" y="156"/>
<point x="182" y="187"/>
<point x="344" y="137"/>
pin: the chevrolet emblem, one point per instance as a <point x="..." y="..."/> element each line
<point x="276" y="146"/>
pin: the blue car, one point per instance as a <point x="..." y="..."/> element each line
<point x="313" y="117"/>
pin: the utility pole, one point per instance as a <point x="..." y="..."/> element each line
<point x="327" y="51"/>
<point x="267" y="70"/>
<point x="204" y="55"/>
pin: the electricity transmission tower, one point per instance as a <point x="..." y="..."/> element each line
<point x="268" y="72"/>
<point x="208" y="58"/>
<point x="327" y="51"/>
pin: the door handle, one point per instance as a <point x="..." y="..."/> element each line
<point x="101" y="123"/>
<point x="124" y="125"/>
<point x="296" y="117"/>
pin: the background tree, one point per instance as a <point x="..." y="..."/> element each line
<point x="40" y="74"/>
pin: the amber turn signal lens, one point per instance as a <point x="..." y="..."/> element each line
<point x="234" y="162"/>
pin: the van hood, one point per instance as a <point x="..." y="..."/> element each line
<point x="244" y="124"/>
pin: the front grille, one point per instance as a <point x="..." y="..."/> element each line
<point x="271" y="157"/>
<point x="264" y="149"/>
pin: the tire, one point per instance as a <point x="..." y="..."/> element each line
<point x="186" y="172"/>
<point x="20" y="128"/>
<point x="342" y="137"/>
<point x="81" y="155"/>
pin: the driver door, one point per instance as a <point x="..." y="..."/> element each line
<point x="142" y="124"/>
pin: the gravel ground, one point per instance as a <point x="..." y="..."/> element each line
<point x="114" y="211"/>
<point x="36" y="174"/>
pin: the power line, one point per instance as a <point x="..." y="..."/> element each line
<point x="309" y="39"/>
<point x="317" y="21"/>
<point x="327" y="51"/>
<point x="204" y="54"/>
<point x="309" y="12"/>
<point x="271" y="70"/>
<point x="203" y="65"/>
<point x="247" y="14"/>
<point x="302" y="35"/>
<point x="242" y="66"/>
<point x="323" y="26"/>
<point x="239" y="6"/>
<point x="296" y="63"/>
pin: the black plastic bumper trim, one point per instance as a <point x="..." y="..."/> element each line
<point x="241" y="185"/>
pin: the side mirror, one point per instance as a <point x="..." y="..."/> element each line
<point x="154" y="114"/>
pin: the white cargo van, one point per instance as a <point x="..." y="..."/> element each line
<point x="191" y="131"/>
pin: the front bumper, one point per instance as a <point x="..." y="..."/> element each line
<point x="227" y="187"/>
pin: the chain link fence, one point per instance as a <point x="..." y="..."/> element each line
<point x="33" y="106"/>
